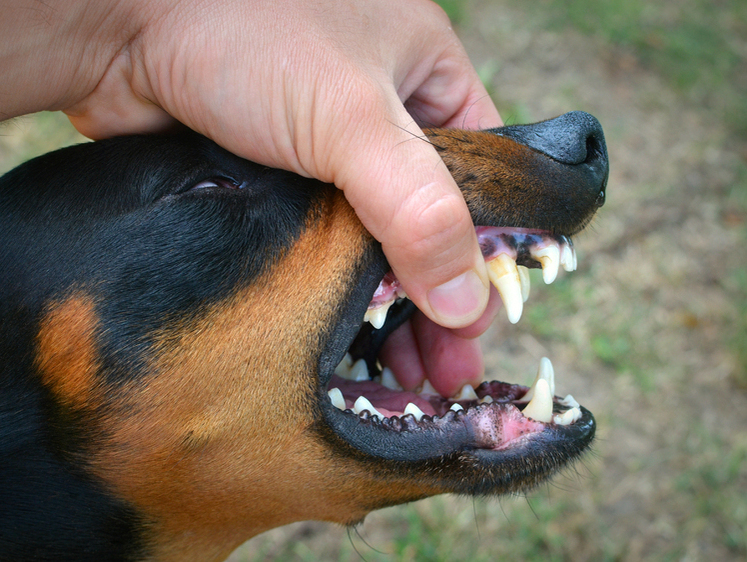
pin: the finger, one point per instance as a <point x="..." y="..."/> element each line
<point x="407" y="199"/>
<point x="113" y="110"/>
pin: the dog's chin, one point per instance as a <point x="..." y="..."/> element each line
<point x="497" y="437"/>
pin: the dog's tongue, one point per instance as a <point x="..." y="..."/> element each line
<point x="420" y="349"/>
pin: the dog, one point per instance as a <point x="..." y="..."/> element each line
<point x="189" y="345"/>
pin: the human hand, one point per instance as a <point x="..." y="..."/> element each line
<point x="333" y="89"/>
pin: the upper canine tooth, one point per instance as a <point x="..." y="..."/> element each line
<point x="525" y="281"/>
<point x="377" y="316"/>
<point x="359" y="371"/>
<point x="362" y="404"/>
<point x="546" y="372"/>
<point x="504" y="275"/>
<point x="540" y="407"/>
<point x="335" y="395"/>
<point x="466" y="393"/>
<point x="414" y="410"/>
<point x="549" y="257"/>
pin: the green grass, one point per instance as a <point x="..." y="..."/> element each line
<point x="696" y="45"/>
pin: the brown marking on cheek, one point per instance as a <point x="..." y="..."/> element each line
<point x="67" y="355"/>
<point x="497" y="175"/>
<point x="214" y="444"/>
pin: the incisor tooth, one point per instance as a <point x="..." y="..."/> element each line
<point x="335" y="395"/>
<point x="504" y="275"/>
<point x="569" y="401"/>
<point x="377" y="316"/>
<point x="456" y="407"/>
<point x="567" y="417"/>
<point x="362" y="404"/>
<point x="388" y="380"/>
<point x="466" y="393"/>
<point x="414" y="410"/>
<point x="487" y="399"/>
<point x="566" y="257"/>
<point x="359" y="371"/>
<point x="549" y="257"/>
<point x="544" y="371"/>
<point x="540" y="407"/>
<point x="525" y="281"/>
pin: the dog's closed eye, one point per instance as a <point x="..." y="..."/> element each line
<point x="218" y="183"/>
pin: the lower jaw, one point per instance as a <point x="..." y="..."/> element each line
<point x="368" y="407"/>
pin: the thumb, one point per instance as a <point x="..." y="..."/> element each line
<point x="405" y="196"/>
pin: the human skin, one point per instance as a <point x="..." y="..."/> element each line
<point x="331" y="89"/>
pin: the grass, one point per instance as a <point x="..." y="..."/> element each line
<point x="697" y="45"/>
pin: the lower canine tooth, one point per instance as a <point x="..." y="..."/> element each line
<point x="362" y="404"/>
<point x="335" y="395"/>
<point x="549" y="257"/>
<point x="414" y="410"/>
<point x="456" y="407"/>
<point x="504" y="275"/>
<point x="540" y="407"/>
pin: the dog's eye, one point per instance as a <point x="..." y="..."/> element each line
<point x="217" y="183"/>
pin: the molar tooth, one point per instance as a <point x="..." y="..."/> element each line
<point x="549" y="257"/>
<point x="362" y="404"/>
<point x="414" y="410"/>
<point x="388" y="380"/>
<point x="456" y="407"/>
<point x="377" y="316"/>
<point x="343" y="367"/>
<point x="540" y="407"/>
<point x="359" y="371"/>
<point x="546" y="372"/>
<point x="427" y="388"/>
<point x="466" y="393"/>
<point x="525" y="281"/>
<point x="335" y="395"/>
<point x="567" y="417"/>
<point x="504" y="275"/>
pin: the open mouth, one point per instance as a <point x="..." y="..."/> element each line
<point x="372" y="411"/>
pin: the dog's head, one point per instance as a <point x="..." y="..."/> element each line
<point x="176" y="321"/>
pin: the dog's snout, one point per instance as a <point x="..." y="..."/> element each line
<point x="574" y="139"/>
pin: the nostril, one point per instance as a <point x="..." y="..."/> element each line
<point x="594" y="150"/>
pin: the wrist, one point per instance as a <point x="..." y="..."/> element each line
<point x="53" y="55"/>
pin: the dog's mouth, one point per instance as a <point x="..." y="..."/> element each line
<point x="367" y="405"/>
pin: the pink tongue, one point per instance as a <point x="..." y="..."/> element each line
<point x="421" y="349"/>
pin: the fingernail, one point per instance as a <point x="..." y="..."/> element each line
<point x="459" y="302"/>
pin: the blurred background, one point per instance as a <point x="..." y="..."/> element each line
<point x="650" y="333"/>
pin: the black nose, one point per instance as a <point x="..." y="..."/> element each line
<point x="575" y="139"/>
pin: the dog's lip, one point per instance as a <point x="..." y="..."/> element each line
<point x="489" y="431"/>
<point x="498" y="429"/>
